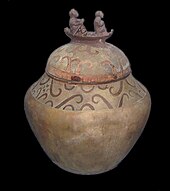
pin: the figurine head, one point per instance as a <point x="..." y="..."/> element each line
<point x="99" y="14"/>
<point x="73" y="13"/>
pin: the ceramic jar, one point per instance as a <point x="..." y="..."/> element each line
<point x="87" y="110"/>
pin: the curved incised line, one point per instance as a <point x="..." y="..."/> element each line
<point x="49" y="102"/>
<point x="87" y="105"/>
<point x="68" y="67"/>
<point x="39" y="91"/>
<point x="106" y="62"/>
<point x="69" y="49"/>
<point x="119" y="90"/>
<point x="87" y="64"/>
<point x="133" y="94"/>
<point x="80" y="49"/>
<point x="51" y="90"/>
<point x="72" y="108"/>
<point x="141" y="87"/>
<point x="104" y="100"/>
<point x="68" y="88"/>
<point x="43" y="95"/>
<point x="94" y="52"/>
<point x="60" y="49"/>
<point x="56" y="58"/>
<point x="103" y="88"/>
<point x="132" y="85"/>
<point x="42" y="83"/>
<point x="76" y="61"/>
<point x="87" y="91"/>
<point x="70" y="98"/>
<point x="121" y="99"/>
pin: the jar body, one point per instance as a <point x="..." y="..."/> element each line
<point x="87" y="129"/>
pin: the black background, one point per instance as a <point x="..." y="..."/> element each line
<point x="35" y="29"/>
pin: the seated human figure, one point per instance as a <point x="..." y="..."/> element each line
<point x="76" y="25"/>
<point x="99" y="25"/>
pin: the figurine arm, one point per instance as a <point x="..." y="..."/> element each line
<point x="101" y="23"/>
<point x="78" y="21"/>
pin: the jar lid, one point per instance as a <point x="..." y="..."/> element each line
<point x="87" y="59"/>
